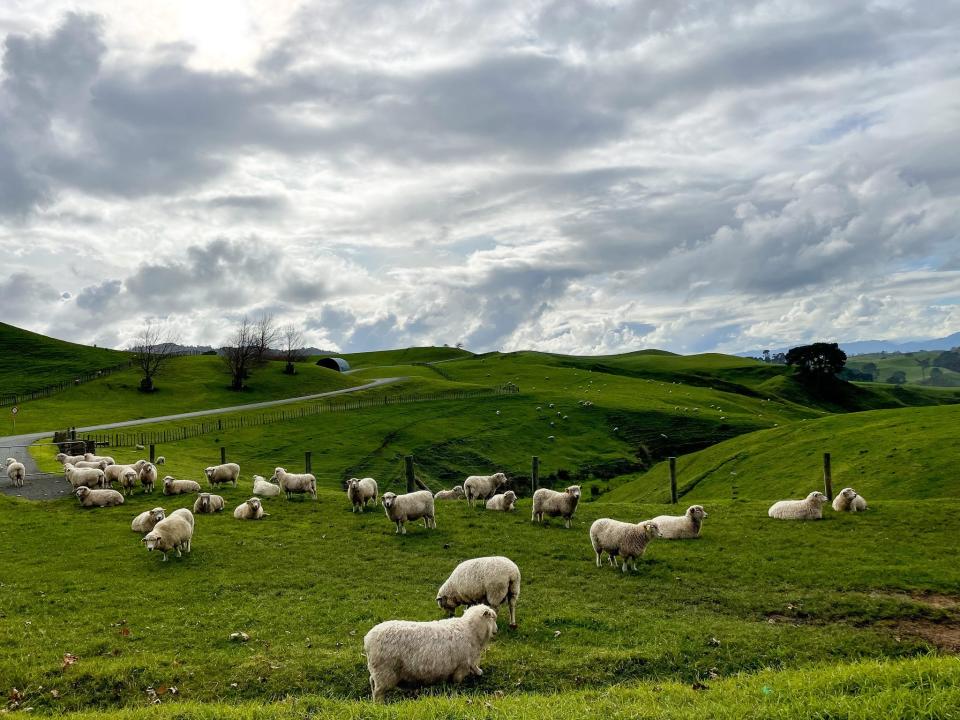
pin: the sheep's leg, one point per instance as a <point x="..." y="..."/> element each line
<point x="512" y="602"/>
<point x="179" y="554"/>
<point x="475" y="669"/>
<point x="164" y="557"/>
<point x="598" y="557"/>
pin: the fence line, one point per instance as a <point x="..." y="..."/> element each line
<point x="79" y="379"/>
<point x="221" y="424"/>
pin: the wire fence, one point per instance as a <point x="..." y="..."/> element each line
<point x="78" y="379"/>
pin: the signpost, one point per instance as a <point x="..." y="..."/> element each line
<point x="14" y="410"/>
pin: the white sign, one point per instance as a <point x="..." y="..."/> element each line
<point x="15" y="410"/>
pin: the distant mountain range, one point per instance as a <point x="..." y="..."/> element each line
<point x="864" y="347"/>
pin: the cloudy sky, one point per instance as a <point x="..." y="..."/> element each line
<point x="560" y="175"/>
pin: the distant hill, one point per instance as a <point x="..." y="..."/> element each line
<point x="863" y="347"/>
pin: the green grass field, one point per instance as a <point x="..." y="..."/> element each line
<point x="888" y="363"/>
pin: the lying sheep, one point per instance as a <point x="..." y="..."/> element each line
<point x="139" y="446"/>
<point x="249" y="510"/>
<point x="263" y="488"/>
<point x="810" y="508"/>
<point x="91" y="457"/>
<point x="16" y="471"/>
<point x="491" y="580"/>
<point x="681" y="527"/>
<point x="221" y="474"/>
<point x="295" y="483"/>
<point x="360" y="492"/>
<point x="411" y="506"/>
<point x="505" y="502"/>
<point x="86" y="477"/>
<point x="849" y="500"/>
<point x="174" y="532"/>
<point x="63" y="458"/>
<point x="148" y="476"/>
<point x="207" y="504"/>
<point x="424" y="653"/>
<point x="161" y="460"/>
<point x="552" y="503"/>
<point x="627" y="540"/>
<point x="481" y="487"/>
<point x="172" y="486"/>
<point x="455" y="493"/>
<point x="145" y="521"/>
<point x="98" y="498"/>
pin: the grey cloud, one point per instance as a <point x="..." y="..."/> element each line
<point x="97" y="298"/>
<point x="26" y="298"/>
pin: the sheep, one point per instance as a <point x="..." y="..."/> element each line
<point x="221" y="474"/>
<point x="145" y="521"/>
<point x="207" y="503"/>
<point x="98" y="498"/>
<point x="16" y="471"/>
<point x="91" y="457"/>
<point x="361" y="492"/>
<point x="128" y="480"/>
<point x="849" y="500"/>
<point x="87" y="477"/>
<point x="624" y="539"/>
<point x="249" y="510"/>
<point x="63" y="458"/>
<point x="161" y="460"/>
<point x="171" y="486"/>
<point x="491" y="580"/>
<point x="506" y="502"/>
<point x="114" y="473"/>
<point x="455" y="493"/>
<point x="681" y="527"/>
<point x="411" y="506"/>
<point x="99" y="464"/>
<point x="810" y="508"/>
<point x="174" y="532"/>
<point x="552" y="503"/>
<point x="292" y="483"/>
<point x="425" y="653"/>
<point x="263" y="488"/>
<point x="481" y="487"/>
<point x="139" y="446"/>
<point x="148" y="476"/>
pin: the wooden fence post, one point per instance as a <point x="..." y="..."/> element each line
<point x="827" y="477"/>
<point x="223" y="455"/>
<point x="153" y="452"/>
<point x="408" y="463"/>
<point x="308" y="461"/>
<point x="673" y="479"/>
<point x="535" y="475"/>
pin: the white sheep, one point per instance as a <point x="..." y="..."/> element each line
<point x="87" y="477"/>
<point x="63" y="458"/>
<point x="172" y="486"/>
<point x="810" y="508"/>
<point x="147" y="520"/>
<point x="682" y="527"/>
<point x="91" y="457"/>
<point x="849" y="500"/>
<point x="148" y="476"/>
<point x="491" y="580"/>
<point x="138" y="446"/>
<point x="98" y="464"/>
<point x="295" y="483"/>
<point x="411" y="506"/>
<point x="455" y="493"/>
<point x="161" y="460"/>
<point x="627" y="540"/>
<point x="206" y="503"/>
<point x="505" y="502"/>
<point x="263" y="488"/>
<point x="251" y="509"/>
<point x="481" y="487"/>
<point x="98" y="498"/>
<point x="553" y="504"/>
<point x="16" y="471"/>
<point x="222" y="474"/>
<point x="128" y="480"/>
<point x="424" y="653"/>
<point x="174" y="532"/>
<point x="114" y="473"/>
<point x="362" y="491"/>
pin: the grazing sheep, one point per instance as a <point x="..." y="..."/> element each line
<point x="481" y="487"/>
<point x="552" y="503"/>
<point x="98" y="464"/>
<point x="63" y="458"/>
<point x="172" y="486"/>
<point x="174" y="532"/>
<point x="86" y="477"/>
<point x="620" y="538"/>
<point x="91" y="457"/>
<point x="424" y="653"/>
<point x="161" y="460"/>
<point x="148" y="476"/>
<point x="505" y="502"/>
<point x="411" y="506"/>
<point x="263" y="488"/>
<point x="221" y="474"/>
<point x="491" y="580"/>
<point x="207" y="504"/>
<point x="455" y="493"/>
<point x="295" y="483"/>
<point x="16" y="471"/>
<point x="681" y="527"/>
<point x="810" y="508"/>
<point x="98" y="498"/>
<point x="145" y="521"/>
<point x="361" y="492"/>
<point x="849" y="500"/>
<point x="249" y="510"/>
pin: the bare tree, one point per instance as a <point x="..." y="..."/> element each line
<point x="151" y="349"/>
<point x="247" y="348"/>
<point x="291" y="347"/>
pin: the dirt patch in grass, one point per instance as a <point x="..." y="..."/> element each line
<point x="945" y="636"/>
<point x="933" y="600"/>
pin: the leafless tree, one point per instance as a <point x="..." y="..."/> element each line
<point x="153" y="346"/>
<point x="291" y="347"/>
<point x="247" y="348"/>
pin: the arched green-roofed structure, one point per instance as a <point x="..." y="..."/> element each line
<point x="334" y="363"/>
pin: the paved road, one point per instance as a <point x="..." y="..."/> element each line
<point x="15" y="445"/>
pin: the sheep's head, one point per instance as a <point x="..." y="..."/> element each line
<point x="82" y="492"/>
<point x="254" y="504"/>
<point x="458" y="489"/>
<point x="60" y="458"/>
<point x="204" y="501"/>
<point x="168" y="482"/>
<point x="129" y="475"/>
<point x="209" y="472"/>
<point x="500" y="479"/>
<point x="151" y="540"/>
<point x="445" y="602"/>
<point x="573" y="490"/>
<point x="817" y="497"/>
<point x="510" y="496"/>
<point x="277" y="473"/>
<point x="848" y="494"/>
<point x="353" y="485"/>
<point x="485" y="615"/>
<point x="652" y="529"/>
<point x="696" y="512"/>
<point x="389" y="499"/>
<point x="157" y="514"/>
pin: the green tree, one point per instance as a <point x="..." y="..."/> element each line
<point x="897" y="378"/>
<point x="818" y="361"/>
<point x="870" y="368"/>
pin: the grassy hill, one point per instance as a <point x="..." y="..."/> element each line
<point x="888" y="363"/>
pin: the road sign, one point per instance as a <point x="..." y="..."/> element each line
<point x="14" y="409"/>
